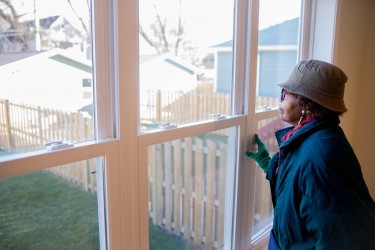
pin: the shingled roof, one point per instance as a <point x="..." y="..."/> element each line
<point x="285" y="33"/>
<point x="44" y="22"/>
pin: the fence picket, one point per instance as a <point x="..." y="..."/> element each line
<point x="168" y="201"/>
<point x="198" y="188"/>
<point x="176" y="185"/>
<point x="221" y="194"/>
<point x="209" y="194"/>
<point x="159" y="187"/>
<point x="188" y="156"/>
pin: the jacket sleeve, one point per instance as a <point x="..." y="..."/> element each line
<point x="331" y="211"/>
<point x="272" y="176"/>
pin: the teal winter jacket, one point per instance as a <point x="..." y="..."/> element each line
<point x="320" y="198"/>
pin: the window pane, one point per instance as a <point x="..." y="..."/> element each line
<point x="263" y="210"/>
<point x="191" y="192"/>
<point x="277" y="48"/>
<point x="54" y="208"/>
<point x="46" y="74"/>
<point x="185" y="60"/>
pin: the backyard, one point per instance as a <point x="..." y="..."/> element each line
<point x="43" y="211"/>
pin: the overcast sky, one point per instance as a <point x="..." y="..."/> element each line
<point x="207" y="22"/>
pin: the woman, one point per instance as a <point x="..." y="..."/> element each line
<point x="319" y="195"/>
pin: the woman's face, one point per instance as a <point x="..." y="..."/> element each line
<point x="289" y="109"/>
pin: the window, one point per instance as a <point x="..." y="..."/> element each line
<point x="171" y="129"/>
<point x="42" y="99"/>
<point x="51" y="150"/>
<point x="178" y="47"/>
<point x="186" y="84"/>
<point x="51" y="208"/>
<point x="278" y="44"/>
<point x="191" y="191"/>
<point x="86" y="83"/>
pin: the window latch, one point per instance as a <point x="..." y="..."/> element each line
<point x="218" y="117"/>
<point x="168" y="126"/>
<point x="58" y="145"/>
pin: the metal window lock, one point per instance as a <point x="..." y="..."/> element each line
<point x="218" y="117"/>
<point x="58" y="145"/>
<point x="168" y="126"/>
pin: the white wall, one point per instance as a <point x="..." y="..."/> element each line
<point x="355" y="54"/>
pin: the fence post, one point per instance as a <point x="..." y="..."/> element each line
<point x="188" y="163"/>
<point x="221" y="194"/>
<point x="209" y="195"/>
<point x="8" y="125"/>
<point x="198" y="191"/>
<point x="40" y="128"/>
<point x="168" y="185"/>
<point x="176" y="185"/>
<point x="158" y="106"/>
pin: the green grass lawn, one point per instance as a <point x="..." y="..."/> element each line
<point x="42" y="211"/>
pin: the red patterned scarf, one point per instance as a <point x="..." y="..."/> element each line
<point x="296" y="128"/>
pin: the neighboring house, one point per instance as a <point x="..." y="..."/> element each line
<point x="163" y="80"/>
<point x="58" y="32"/>
<point x="168" y="73"/>
<point x="54" y="32"/>
<point x="277" y="55"/>
<point x="52" y="79"/>
<point x="56" y="79"/>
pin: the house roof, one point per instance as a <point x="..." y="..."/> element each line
<point x="60" y="55"/>
<point x="173" y="61"/>
<point x="285" y="33"/>
<point x="48" y="21"/>
<point x="44" y="22"/>
<point x="6" y="58"/>
<point x="47" y="79"/>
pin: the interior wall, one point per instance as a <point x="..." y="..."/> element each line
<point x="355" y="54"/>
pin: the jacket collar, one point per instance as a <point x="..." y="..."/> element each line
<point x="305" y="130"/>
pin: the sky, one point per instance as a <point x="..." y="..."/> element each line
<point x="47" y="8"/>
<point x="211" y="21"/>
<point x="206" y="22"/>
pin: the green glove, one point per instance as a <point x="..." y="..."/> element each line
<point x="262" y="157"/>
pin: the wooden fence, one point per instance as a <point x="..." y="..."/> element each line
<point x="157" y="106"/>
<point x="161" y="106"/>
<point x="187" y="189"/>
<point x="26" y="127"/>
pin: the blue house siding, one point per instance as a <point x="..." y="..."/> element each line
<point x="274" y="68"/>
<point x="274" y="65"/>
<point x="224" y="72"/>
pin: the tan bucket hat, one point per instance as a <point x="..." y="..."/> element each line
<point x="319" y="81"/>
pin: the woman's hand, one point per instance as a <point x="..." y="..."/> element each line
<point x="262" y="157"/>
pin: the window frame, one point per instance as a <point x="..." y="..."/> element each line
<point x="122" y="145"/>
<point x="106" y="143"/>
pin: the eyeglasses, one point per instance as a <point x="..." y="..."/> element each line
<point x="282" y="97"/>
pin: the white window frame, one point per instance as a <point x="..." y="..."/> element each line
<point x="106" y="145"/>
<point x="123" y="146"/>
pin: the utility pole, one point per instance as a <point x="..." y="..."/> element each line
<point x="37" y="27"/>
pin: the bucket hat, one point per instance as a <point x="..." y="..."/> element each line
<point x="321" y="82"/>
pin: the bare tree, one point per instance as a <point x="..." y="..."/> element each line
<point x="84" y="26"/>
<point x="161" y="38"/>
<point x="10" y="27"/>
